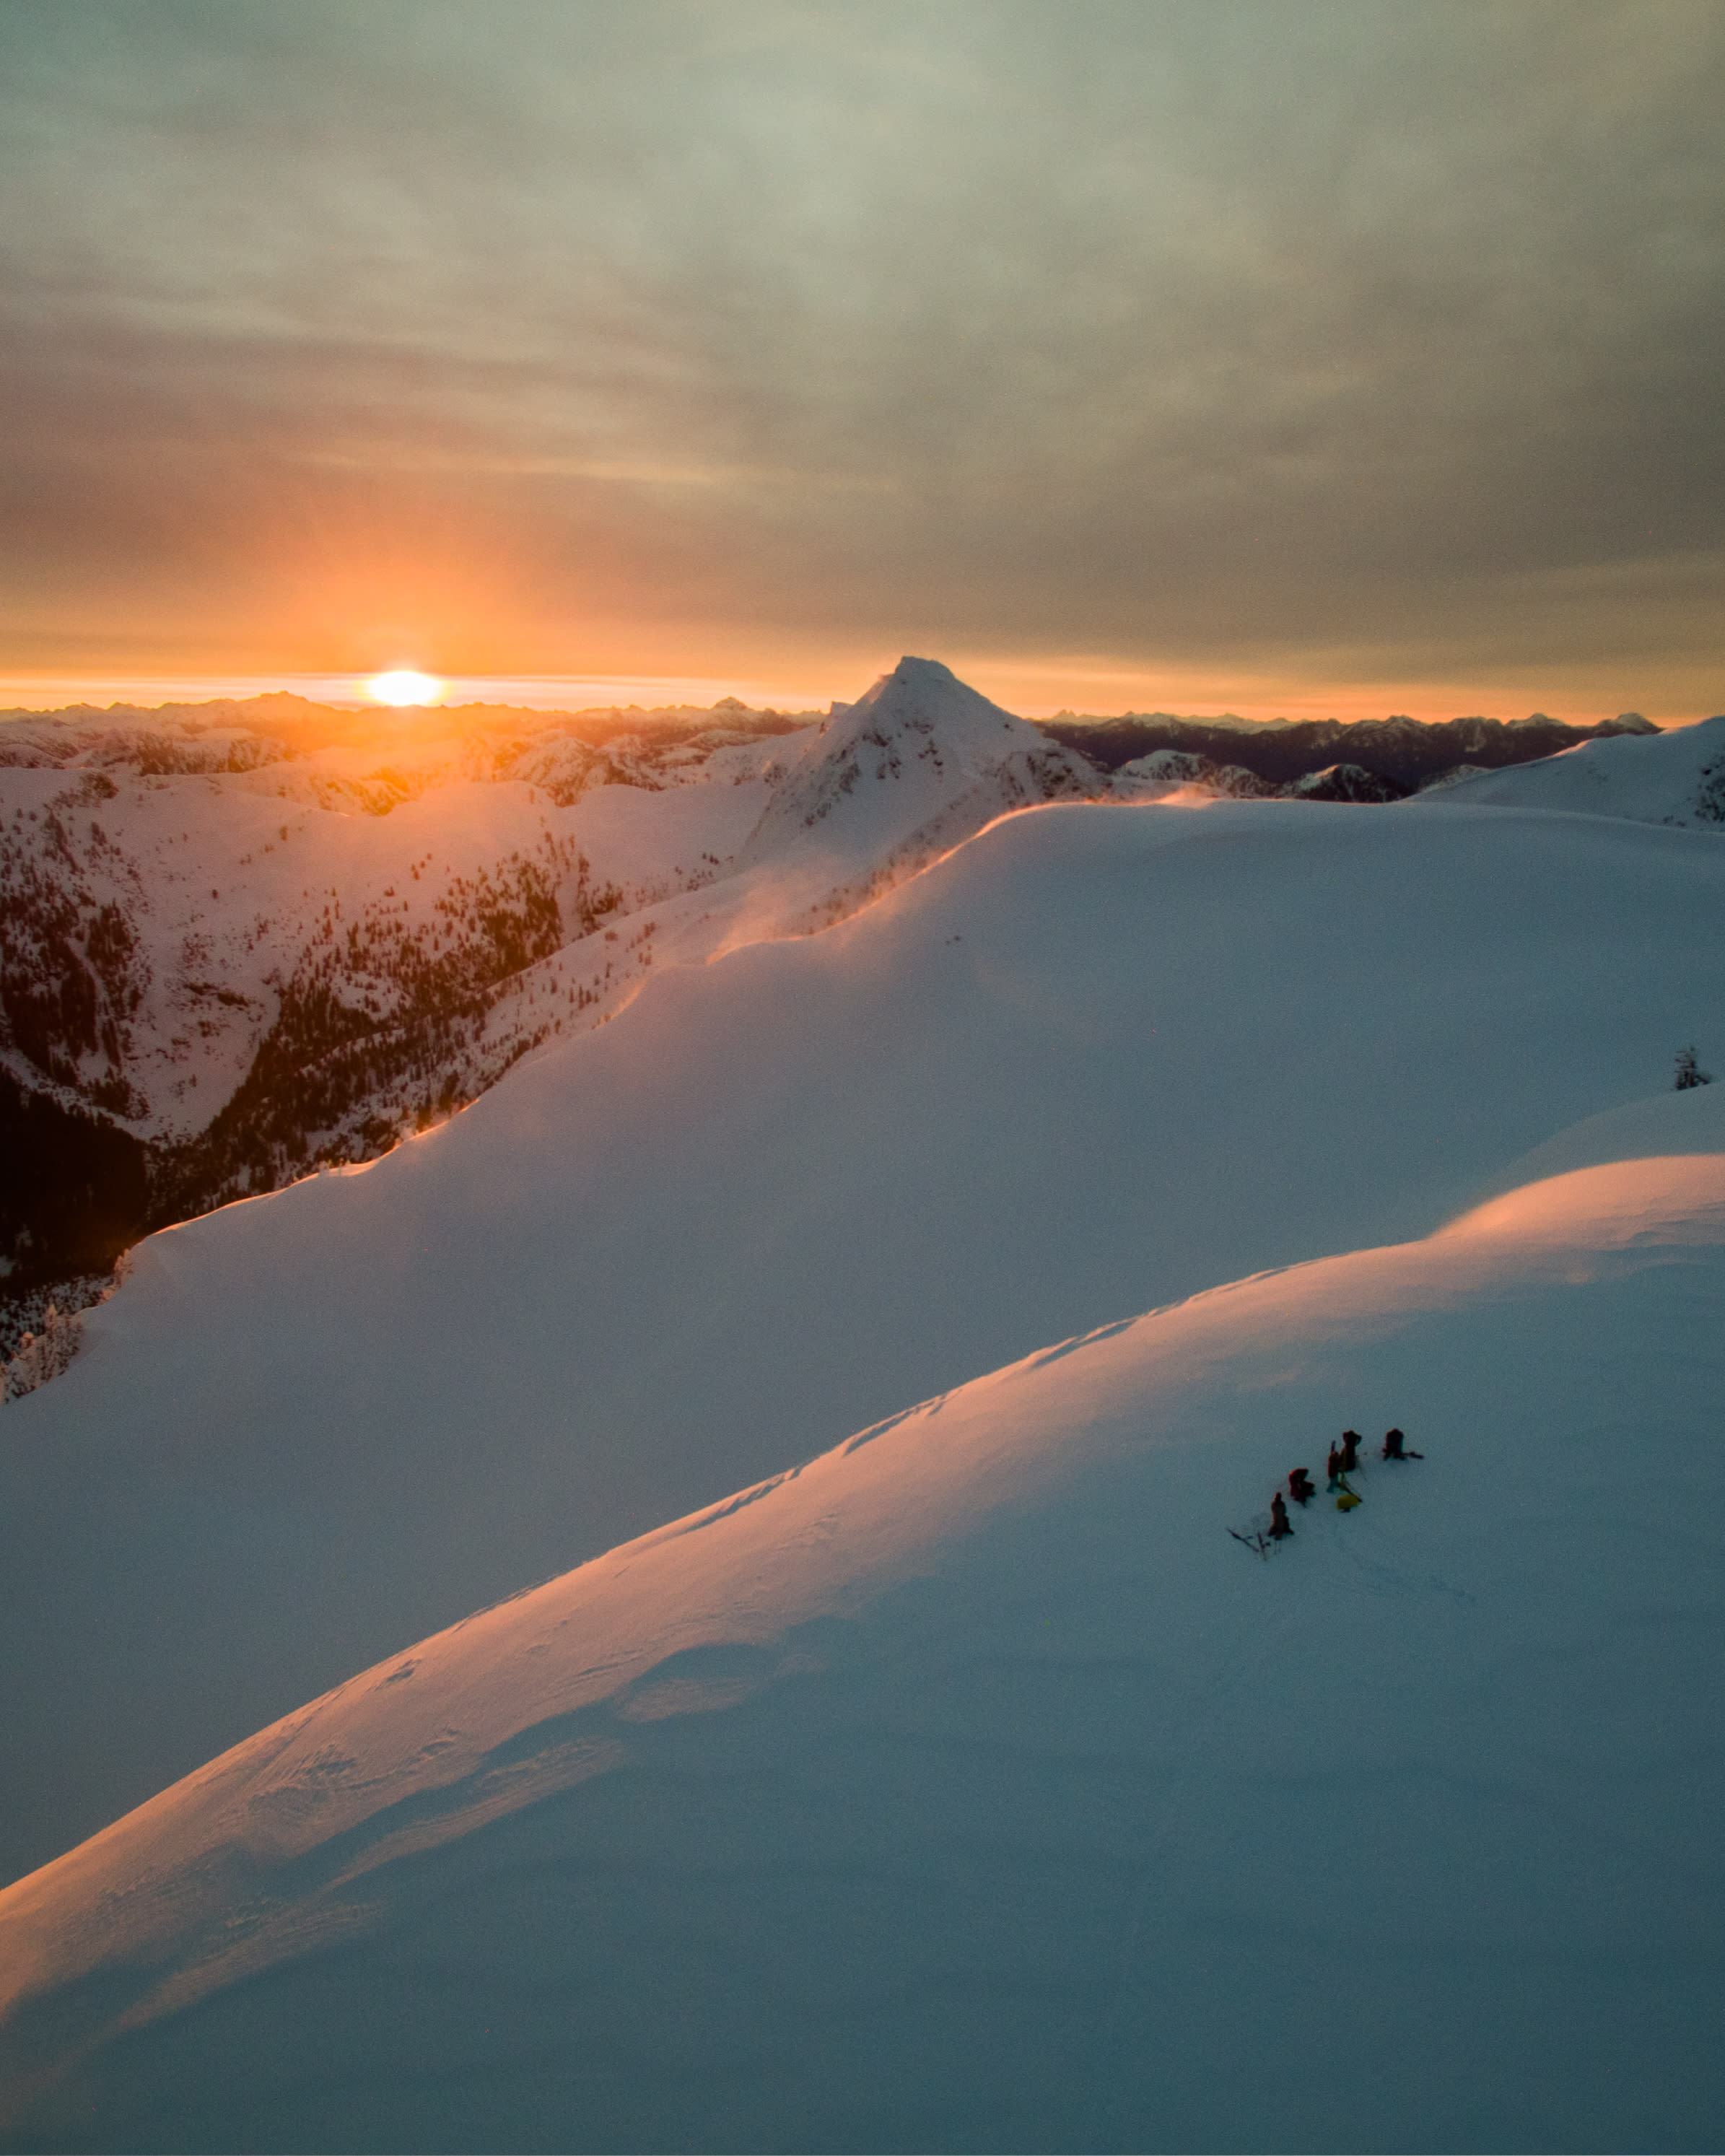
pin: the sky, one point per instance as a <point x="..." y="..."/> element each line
<point x="1194" y="355"/>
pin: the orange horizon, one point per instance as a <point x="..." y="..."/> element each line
<point x="1036" y="689"/>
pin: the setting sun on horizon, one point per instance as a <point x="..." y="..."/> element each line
<point x="403" y="687"/>
<point x="1161" y="408"/>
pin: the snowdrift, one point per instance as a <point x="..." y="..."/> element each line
<point x="969" y="1788"/>
<point x="1095" y="1061"/>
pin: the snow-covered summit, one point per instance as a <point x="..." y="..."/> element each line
<point x="918" y="762"/>
<point x="1167" y="772"/>
<point x="1675" y="778"/>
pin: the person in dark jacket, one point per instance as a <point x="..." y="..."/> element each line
<point x="1279" y="1526"/>
<point x="1351" y="1443"/>
<point x="1300" y="1487"/>
<point x="1395" y="1447"/>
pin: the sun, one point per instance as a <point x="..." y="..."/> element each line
<point x="404" y="686"/>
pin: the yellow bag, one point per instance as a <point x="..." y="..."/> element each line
<point x="1346" y="1502"/>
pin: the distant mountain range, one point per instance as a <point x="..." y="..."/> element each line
<point x="1401" y="754"/>
<point x="246" y="939"/>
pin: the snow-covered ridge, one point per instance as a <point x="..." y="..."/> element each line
<point x="247" y="939"/>
<point x="985" y="1696"/>
<point x="160" y="907"/>
<point x="1399" y="756"/>
<point x="1167" y="771"/>
<point x="1676" y="778"/>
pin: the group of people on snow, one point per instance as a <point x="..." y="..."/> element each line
<point x="1344" y="1460"/>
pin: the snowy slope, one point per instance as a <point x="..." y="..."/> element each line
<point x="1675" y="778"/>
<point x="224" y="888"/>
<point x="1099" y="1058"/>
<point x="221" y="883"/>
<point x="970" y="1788"/>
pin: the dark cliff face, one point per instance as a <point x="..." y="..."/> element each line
<point x="74" y="1189"/>
<point x="1406" y="754"/>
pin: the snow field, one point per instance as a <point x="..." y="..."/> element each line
<point x="969" y="1788"/>
<point x="1096" y="1060"/>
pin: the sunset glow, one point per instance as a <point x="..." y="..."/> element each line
<point x="403" y="687"/>
<point x="1116" y="420"/>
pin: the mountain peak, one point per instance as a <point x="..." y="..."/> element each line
<point x="934" y="690"/>
<point x="920" y="756"/>
<point x="913" y="669"/>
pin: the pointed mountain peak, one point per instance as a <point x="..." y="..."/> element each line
<point x="926" y="687"/>
<point x="919" y="755"/>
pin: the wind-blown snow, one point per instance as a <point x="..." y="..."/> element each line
<point x="968" y="1787"/>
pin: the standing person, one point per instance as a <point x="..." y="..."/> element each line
<point x="1351" y="1442"/>
<point x="1333" y="1466"/>
<point x="1300" y="1487"/>
<point x="1279" y="1526"/>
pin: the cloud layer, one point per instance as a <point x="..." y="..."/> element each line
<point x="1351" y="341"/>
